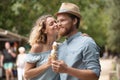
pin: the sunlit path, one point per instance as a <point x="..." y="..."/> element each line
<point x="106" y="66"/>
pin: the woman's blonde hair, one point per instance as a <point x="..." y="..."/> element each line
<point x="38" y="34"/>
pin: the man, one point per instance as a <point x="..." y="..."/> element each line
<point x="78" y="55"/>
<point x="7" y="60"/>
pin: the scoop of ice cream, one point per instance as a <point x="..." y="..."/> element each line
<point x="54" y="46"/>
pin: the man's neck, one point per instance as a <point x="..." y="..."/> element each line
<point x="72" y="33"/>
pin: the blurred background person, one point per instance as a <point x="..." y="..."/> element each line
<point x="1" y="72"/>
<point x="7" y="61"/>
<point x="20" y="62"/>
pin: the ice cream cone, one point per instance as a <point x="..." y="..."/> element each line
<point x="54" y="51"/>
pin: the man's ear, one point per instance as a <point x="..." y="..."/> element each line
<point x="75" y="21"/>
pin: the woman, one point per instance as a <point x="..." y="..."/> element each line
<point x="20" y="62"/>
<point x="43" y="34"/>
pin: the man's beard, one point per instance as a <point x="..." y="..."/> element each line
<point x="64" y="32"/>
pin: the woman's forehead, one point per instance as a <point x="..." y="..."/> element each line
<point x="50" y="19"/>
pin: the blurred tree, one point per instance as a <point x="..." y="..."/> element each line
<point x="94" y="20"/>
<point x="113" y="40"/>
<point x="19" y="15"/>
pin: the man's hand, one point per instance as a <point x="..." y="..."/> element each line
<point x="59" y="66"/>
<point x="9" y="51"/>
<point x="12" y="53"/>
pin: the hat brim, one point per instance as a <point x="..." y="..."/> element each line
<point x="70" y="12"/>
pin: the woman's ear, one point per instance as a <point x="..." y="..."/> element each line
<point x="45" y="31"/>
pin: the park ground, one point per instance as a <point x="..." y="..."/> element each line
<point x="107" y="66"/>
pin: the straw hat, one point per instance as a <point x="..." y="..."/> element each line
<point x="69" y="8"/>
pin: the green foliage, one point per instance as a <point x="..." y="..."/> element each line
<point x="113" y="34"/>
<point x="94" y="20"/>
<point x="19" y="15"/>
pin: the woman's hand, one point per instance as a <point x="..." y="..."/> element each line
<point x="49" y="60"/>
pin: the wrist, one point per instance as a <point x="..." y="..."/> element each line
<point x="47" y="65"/>
<point x="66" y="70"/>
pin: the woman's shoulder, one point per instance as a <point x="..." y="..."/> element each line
<point x="36" y="48"/>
